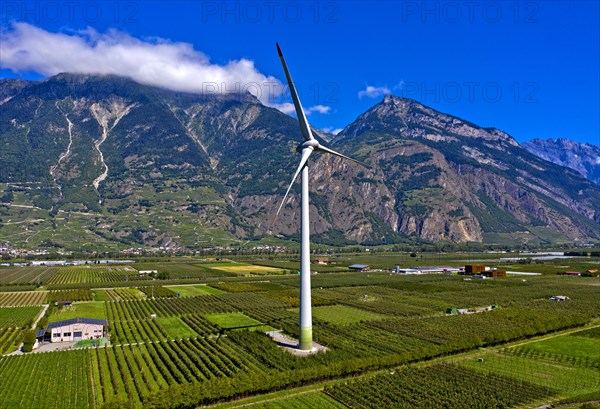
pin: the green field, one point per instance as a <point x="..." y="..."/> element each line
<point x="101" y="295"/>
<point x="88" y="343"/>
<point x="193" y="290"/>
<point x="84" y="309"/>
<point x="569" y="364"/>
<point x="237" y="320"/>
<point x="343" y="315"/>
<point x="571" y="345"/>
<point x="568" y="381"/>
<point x="312" y="400"/>
<point x="176" y="329"/>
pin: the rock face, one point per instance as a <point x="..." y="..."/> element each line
<point x="145" y="165"/>
<point x="453" y="180"/>
<point x="582" y="157"/>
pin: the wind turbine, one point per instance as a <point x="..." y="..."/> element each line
<point x="309" y="145"/>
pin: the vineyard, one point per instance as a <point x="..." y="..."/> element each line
<point x="14" y="321"/>
<point x="541" y="370"/>
<point x="157" y="292"/>
<point x="571" y="361"/>
<point x="18" y="316"/>
<point x="70" y="295"/>
<point x="25" y="275"/>
<point x="194" y="290"/>
<point x="303" y="401"/>
<point x="10" y="338"/>
<point x="52" y="380"/>
<point x="437" y="387"/>
<point x="181" y="346"/>
<point x="92" y="274"/>
<point x="124" y="294"/>
<point x="18" y="299"/>
<point x="136" y="372"/>
<point x="65" y="277"/>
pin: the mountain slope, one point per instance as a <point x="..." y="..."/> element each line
<point x="10" y="87"/>
<point x="582" y="157"/>
<point x="101" y="159"/>
<point x="457" y="181"/>
<point x="138" y="164"/>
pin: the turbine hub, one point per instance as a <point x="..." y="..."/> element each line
<point x="311" y="143"/>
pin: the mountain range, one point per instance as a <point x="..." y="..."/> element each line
<point x="582" y="157"/>
<point x="88" y="160"/>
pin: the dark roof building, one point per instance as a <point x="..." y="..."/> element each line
<point x="90" y="321"/>
<point x="77" y="329"/>
<point x="359" y="267"/>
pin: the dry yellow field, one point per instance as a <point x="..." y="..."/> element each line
<point x="247" y="269"/>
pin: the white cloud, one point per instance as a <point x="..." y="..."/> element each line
<point x="322" y="109"/>
<point x="373" y="92"/>
<point x="333" y="130"/>
<point x="173" y="65"/>
<point x="286" y="107"/>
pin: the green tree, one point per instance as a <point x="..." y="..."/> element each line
<point x="28" y="341"/>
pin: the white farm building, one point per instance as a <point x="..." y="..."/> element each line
<point x="76" y="329"/>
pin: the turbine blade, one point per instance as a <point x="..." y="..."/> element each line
<point x="304" y="127"/>
<point x="305" y="154"/>
<point x="326" y="149"/>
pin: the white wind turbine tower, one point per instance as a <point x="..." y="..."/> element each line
<point x="309" y="145"/>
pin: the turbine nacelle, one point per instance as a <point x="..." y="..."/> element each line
<point x="306" y="149"/>
<point x="311" y="143"/>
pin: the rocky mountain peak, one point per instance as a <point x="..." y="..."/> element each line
<point x="107" y="85"/>
<point x="409" y="118"/>
<point x="582" y="157"/>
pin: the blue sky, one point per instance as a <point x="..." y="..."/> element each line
<point x="530" y="68"/>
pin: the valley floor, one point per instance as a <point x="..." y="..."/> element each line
<point x="198" y="338"/>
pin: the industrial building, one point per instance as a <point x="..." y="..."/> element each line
<point x="359" y="267"/>
<point x="426" y="270"/>
<point x="76" y="329"/>
<point x="471" y="269"/>
<point x="481" y="271"/>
